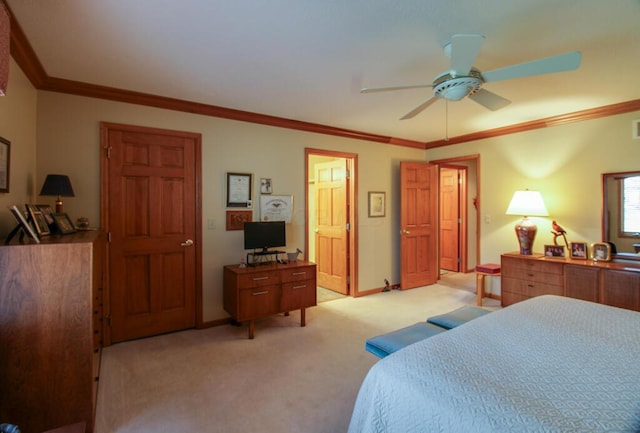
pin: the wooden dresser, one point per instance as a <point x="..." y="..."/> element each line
<point x="610" y="283"/>
<point x="254" y="292"/>
<point x="51" y="330"/>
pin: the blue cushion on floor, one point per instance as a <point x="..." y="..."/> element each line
<point x="386" y="344"/>
<point x="457" y="317"/>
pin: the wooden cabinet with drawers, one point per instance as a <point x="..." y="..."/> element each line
<point x="611" y="283"/>
<point x="251" y="293"/>
<point x="523" y="278"/>
<point x="51" y="330"/>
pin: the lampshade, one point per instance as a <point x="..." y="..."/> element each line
<point x="526" y="203"/>
<point x="58" y="185"/>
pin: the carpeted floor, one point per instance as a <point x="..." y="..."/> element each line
<point x="288" y="379"/>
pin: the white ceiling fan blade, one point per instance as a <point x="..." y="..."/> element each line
<point x="463" y="52"/>
<point x="420" y="108"/>
<point x="489" y="99"/>
<point x="386" y="89"/>
<point x="547" y="65"/>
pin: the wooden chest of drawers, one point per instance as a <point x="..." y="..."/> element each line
<point x="51" y="334"/>
<point x="610" y="283"/>
<point x="251" y="293"/>
<point x="523" y="278"/>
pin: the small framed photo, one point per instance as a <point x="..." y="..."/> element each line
<point x="377" y="204"/>
<point x="38" y="220"/>
<point x="554" y="251"/>
<point x="239" y="190"/>
<point x="63" y="222"/>
<point x="47" y="211"/>
<point x="600" y="252"/>
<point x="22" y="224"/>
<point x="578" y="250"/>
<point x="266" y="186"/>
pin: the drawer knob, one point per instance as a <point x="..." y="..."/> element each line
<point x="260" y="293"/>
<point x="299" y="273"/>
<point x="299" y="287"/>
<point x="260" y="278"/>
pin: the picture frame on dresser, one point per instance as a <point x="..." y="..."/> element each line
<point x="38" y="219"/>
<point x="600" y="252"/>
<point x="556" y="251"/>
<point x="63" y="223"/>
<point x="578" y="250"/>
<point x="22" y="224"/>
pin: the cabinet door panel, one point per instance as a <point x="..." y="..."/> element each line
<point x="581" y="283"/>
<point x="621" y="289"/>
<point x="298" y="294"/>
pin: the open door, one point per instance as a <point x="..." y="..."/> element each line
<point x="331" y="236"/>
<point x="418" y="224"/>
<point x="450" y="217"/>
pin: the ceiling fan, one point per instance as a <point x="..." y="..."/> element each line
<point x="464" y="80"/>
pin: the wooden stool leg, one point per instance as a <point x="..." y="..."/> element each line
<point x="479" y="288"/>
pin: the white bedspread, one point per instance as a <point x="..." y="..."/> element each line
<point x="549" y="364"/>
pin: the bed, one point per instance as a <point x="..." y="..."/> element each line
<point x="548" y="364"/>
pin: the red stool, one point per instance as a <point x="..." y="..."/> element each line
<point x="490" y="269"/>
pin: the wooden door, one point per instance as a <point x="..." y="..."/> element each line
<point x="449" y="219"/>
<point x="331" y="225"/>
<point x="151" y="210"/>
<point x="418" y="224"/>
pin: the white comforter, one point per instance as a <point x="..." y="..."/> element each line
<point x="549" y="364"/>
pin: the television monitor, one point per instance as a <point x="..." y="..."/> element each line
<point x="262" y="235"/>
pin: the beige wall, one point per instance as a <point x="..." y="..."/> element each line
<point x="17" y="121"/>
<point x="68" y="132"/>
<point x="563" y="162"/>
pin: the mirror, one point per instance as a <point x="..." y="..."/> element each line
<point x="613" y="230"/>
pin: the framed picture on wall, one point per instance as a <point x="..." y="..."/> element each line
<point x="5" y="160"/>
<point x="377" y="204"/>
<point x="239" y="190"/>
<point x="237" y="218"/>
<point x="266" y="186"/>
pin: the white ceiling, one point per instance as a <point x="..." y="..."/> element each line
<point x="307" y="59"/>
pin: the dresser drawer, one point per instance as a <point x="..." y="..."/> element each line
<point x="258" y="279"/>
<point x="514" y="267"/>
<point x="531" y="288"/>
<point x="298" y="274"/>
<point x="258" y="302"/>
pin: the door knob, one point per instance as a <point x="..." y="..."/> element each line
<point x="404" y="232"/>
<point x="187" y="243"/>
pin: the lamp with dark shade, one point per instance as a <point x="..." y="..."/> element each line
<point x="58" y="185"/>
<point x="526" y="203"/>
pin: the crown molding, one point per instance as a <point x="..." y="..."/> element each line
<point x="577" y="116"/>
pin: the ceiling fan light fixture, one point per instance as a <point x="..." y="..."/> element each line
<point x="454" y="89"/>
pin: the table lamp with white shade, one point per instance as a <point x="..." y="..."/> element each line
<point x="526" y="203"/>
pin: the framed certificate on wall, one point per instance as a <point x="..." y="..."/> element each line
<point x="239" y="190"/>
